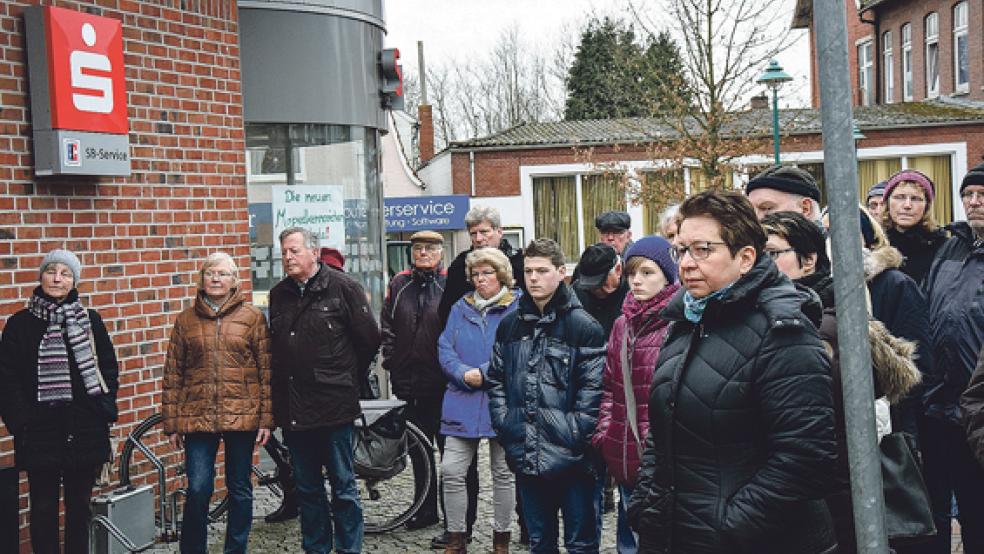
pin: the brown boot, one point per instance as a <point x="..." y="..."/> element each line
<point x="500" y="542"/>
<point x="457" y="543"/>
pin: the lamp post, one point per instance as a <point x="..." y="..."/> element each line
<point x="773" y="78"/>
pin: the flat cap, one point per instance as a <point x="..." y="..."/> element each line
<point x="595" y="264"/>
<point x="613" y="221"/>
<point x="427" y="236"/>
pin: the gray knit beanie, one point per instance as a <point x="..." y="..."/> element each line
<point x="59" y="256"/>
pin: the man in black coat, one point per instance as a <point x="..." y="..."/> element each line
<point x="600" y="287"/>
<point x="324" y="339"/>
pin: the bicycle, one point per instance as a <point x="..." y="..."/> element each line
<point x="385" y="502"/>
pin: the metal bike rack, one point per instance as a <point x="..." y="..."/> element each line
<point x="115" y="532"/>
<point x="161" y="479"/>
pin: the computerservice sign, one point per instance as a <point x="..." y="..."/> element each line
<point x="425" y="213"/>
<point x="78" y="93"/>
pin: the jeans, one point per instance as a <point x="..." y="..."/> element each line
<point x="575" y="497"/>
<point x="950" y="469"/>
<point x="626" y="541"/>
<point x="325" y="525"/>
<point x="45" y="486"/>
<point x="200" y="450"/>
<point x="459" y="453"/>
<point x="9" y="510"/>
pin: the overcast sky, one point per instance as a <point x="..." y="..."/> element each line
<point x="458" y="30"/>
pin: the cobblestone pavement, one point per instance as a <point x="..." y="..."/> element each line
<point x="285" y="537"/>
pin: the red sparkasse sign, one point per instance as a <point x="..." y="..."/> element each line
<point x="86" y="76"/>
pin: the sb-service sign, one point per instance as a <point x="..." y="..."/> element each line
<point x="78" y="92"/>
<point x="425" y="213"/>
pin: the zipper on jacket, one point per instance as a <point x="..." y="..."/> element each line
<point x="215" y="372"/>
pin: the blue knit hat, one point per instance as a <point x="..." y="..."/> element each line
<point x="656" y="249"/>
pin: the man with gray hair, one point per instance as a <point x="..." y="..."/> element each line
<point x="785" y="189"/>
<point x="324" y="339"/>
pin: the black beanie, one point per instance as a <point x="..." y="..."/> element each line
<point x="794" y="182"/>
<point x="974" y="177"/>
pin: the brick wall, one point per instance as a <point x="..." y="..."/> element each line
<point x="141" y="239"/>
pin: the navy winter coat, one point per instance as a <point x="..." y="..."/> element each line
<point x="741" y="448"/>
<point x="466" y="344"/>
<point x="545" y="386"/>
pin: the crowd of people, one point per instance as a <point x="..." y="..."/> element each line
<point x="696" y="373"/>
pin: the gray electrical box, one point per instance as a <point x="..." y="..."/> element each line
<point x="131" y="510"/>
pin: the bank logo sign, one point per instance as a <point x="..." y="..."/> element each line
<point x="78" y="92"/>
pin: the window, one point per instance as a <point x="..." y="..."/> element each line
<point x="961" y="62"/>
<point x="932" y="32"/>
<point x="907" y="62"/>
<point x="888" y="67"/>
<point x="555" y="206"/>
<point x="866" y="71"/>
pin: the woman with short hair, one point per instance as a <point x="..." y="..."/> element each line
<point x="741" y="444"/>
<point x="217" y="388"/>
<point x="907" y="217"/>
<point x="465" y="348"/>
<point x="58" y="399"/>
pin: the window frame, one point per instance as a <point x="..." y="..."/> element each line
<point x="907" y="74"/>
<point x="888" y="68"/>
<point x="960" y="31"/>
<point x="931" y="39"/>
<point x="866" y="71"/>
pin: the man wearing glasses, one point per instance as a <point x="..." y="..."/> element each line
<point x="411" y="327"/>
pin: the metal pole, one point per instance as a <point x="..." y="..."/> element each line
<point x="775" y="120"/>
<point x="423" y="72"/>
<point x="840" y="176"/>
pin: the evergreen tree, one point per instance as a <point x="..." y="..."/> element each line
<point x="615" y="75"/>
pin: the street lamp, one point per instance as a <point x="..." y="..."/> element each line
<point x="773" y="78"/>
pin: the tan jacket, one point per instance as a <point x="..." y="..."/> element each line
<point x="217" y="371"/>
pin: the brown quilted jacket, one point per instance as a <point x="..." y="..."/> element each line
<point x="217" y="371"/>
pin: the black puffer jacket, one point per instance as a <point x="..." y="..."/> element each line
<point x="741" y="448"/>
<point x="544" y="383"/>
<point x="411" y="328"/>
<point x="918" y="246"/>
<point x="323" y="344"/>
<point x="71" y="435"/>
<point x="459" y="284"/>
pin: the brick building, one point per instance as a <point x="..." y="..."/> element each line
<point x="225" y="110"/>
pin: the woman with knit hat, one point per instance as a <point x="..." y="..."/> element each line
<point x="623" y="420"/>
<point x="907" y="217"/>
<point x="59" y="375"/>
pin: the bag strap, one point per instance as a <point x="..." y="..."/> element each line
<point x="95" y="358"/>
<point x="630" y="399"/>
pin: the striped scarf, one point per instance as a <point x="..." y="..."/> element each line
<point x="67" y="320"/>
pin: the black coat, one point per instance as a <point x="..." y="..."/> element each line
<point x="955" y="289"/>
<point x="70" y="435"/>
<point x="323" y="344"/>
<point x="918" y="246"/>
<point x="605" y="310"/>
<point x="741" y="448"/>
<point x="544" y="383"/>
<point x="411" y="327"/>
<point x="458" y="283"/>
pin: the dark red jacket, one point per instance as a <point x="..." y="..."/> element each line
<point x="613" y="436"/>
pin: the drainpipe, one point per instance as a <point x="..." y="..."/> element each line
<point x="471" y="169"/>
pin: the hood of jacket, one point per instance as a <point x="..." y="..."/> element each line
<point x="892" y="362"/>
<point x="202" y="309"/>
<point x="877" y="261"/>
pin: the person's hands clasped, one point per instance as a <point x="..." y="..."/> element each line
<point x="473" y="378"/>
<point x="175" y="440"/>
<point x="262" y="436"/>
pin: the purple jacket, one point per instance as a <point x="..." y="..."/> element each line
<point x="465" y="344"/>
<point x="613" y="436"/>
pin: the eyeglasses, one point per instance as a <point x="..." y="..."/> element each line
<point x="776" y="253"/>
<point x="699" y="250"/>
<point x="487" y="274"/>
<point x="418" y="248"/>
<point x="219" y="274"/>
<point x="903" y="198"/>
<point x="972" y="195"/>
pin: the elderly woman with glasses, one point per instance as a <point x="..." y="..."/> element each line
<point x="741" y="445"/>
<point x="465" y="348"/>
<point x="217" y="388"/>
<point x="907" y="217"/>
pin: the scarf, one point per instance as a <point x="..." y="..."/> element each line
<point x="66" y="320"/>
<point x="693" y="308"/>
<point x="482" y="304"/>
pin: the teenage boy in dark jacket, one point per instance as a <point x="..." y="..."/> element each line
<point x="545" y="391"/>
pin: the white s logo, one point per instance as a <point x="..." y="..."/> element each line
<point x="79" y="61"/>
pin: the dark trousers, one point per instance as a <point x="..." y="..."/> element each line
<point x="45" y="487"/>
<point x="9" y="510"/>
<point x="950" y="469"/>
<point x="576" y="498"/>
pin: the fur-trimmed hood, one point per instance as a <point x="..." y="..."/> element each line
<point x="892" y="361"/>
<point x="877" y="261"/>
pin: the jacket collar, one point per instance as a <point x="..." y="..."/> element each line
<point x="504" y="302"/>
<point x="877" y="261"/>
<point x="639" y="314"/>
<point x="202" y="309"/>
<point x="562" y="301"/>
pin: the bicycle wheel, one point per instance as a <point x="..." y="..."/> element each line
<point x="388" y="504"/>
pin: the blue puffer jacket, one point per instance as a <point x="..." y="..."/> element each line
<point x="544" y="384"/>
<point x="465" y="344"/>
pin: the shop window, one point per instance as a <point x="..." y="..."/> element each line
<point x="555" y="212"/>
<point x="866" y="71"/>
<point x="932" y="40"/>
<point x="888" y="67"/>
<point x="961" y="55"/>
<point x="599" y="194"/>
<point x="939" y="170"/>
<point x="321" y="177"/>
<point x="907" y="62"/>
